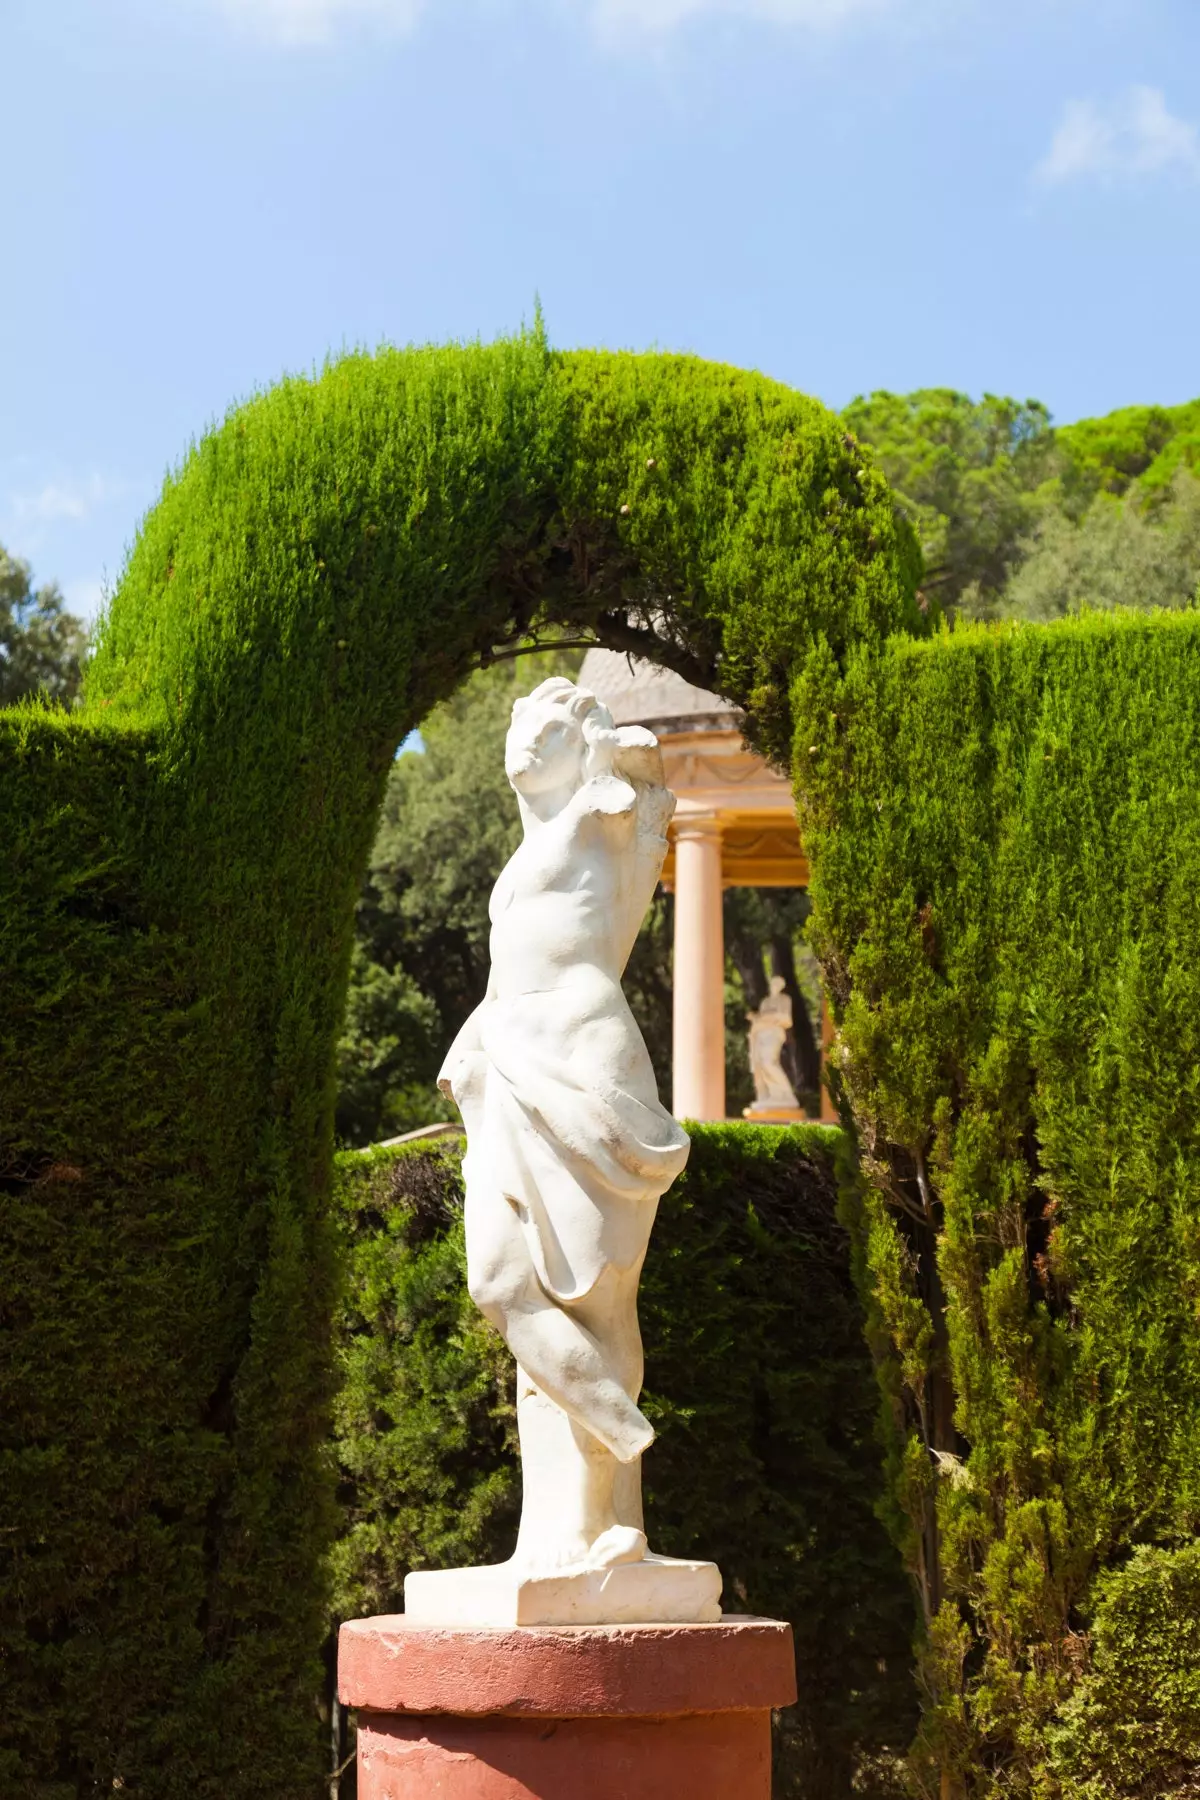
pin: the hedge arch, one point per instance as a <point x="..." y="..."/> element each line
<point x="176" y="929"/>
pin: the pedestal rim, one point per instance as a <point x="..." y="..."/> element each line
<point x="729" y="1621"/>
<point x="740" y="1663"/>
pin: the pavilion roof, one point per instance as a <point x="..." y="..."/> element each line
<point x="644" y="693"/>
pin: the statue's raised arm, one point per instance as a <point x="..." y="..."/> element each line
<point x="568" y="1152"/>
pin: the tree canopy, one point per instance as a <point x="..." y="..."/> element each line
<point x="41" y="643"/>
<point x="1137" y="551"/>
<point x="967" y="473"/>
<point x="1142" y="445"/>
<point x="1018" y="517"/>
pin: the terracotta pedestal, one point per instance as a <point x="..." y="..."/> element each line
<point x="582" y="1712"/>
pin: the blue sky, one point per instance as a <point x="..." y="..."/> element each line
<point x="846" y="194"/>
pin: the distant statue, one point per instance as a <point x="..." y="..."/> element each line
<point x="769" y="1026"/>
<point x="568" y="1152"/>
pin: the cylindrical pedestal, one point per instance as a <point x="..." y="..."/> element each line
<point x="581" y="1712"/>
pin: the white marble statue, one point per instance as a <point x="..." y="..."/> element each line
<point x="568" y="1152"/>
<point x="769" y="1026"/>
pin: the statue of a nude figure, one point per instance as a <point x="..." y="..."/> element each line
<point x="569" y="1149"/>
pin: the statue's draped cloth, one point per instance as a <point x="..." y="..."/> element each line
<point x="574" y="1136"/>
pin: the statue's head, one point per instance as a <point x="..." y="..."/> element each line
<point x="777" y="984"/>
<point x="560" y="736"/>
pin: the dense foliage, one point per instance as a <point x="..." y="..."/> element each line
<point x="758" y="1382"/>
<point x="1142" y="550"/>
<point x="1002" y="828"/>
<point x="177" y="928"/>
<point x="424" y="1420"/>
<point x="1005" y="834"/>
<point x="1144" y="446"/>
<point x="41" y="643"/>
<point x="1018" y="518"/>
<point x="155" y="1583"/>
<point x="967" y="473"/>
<point x="1131" y="1728"/>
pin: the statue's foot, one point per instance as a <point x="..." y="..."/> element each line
<point x="619" y="1544"/>
<point x="567" y="1558"/>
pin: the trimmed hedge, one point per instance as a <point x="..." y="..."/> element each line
<point x="143" y="1598"/>
<point x="1004" y="830"/>
<point x="424" y="1424"/>
<point x="759" y="1384"/>
<point x="1004" y="827"/>
<point x="177" y="926"/>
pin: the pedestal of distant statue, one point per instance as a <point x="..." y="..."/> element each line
<point x="775" y="1101"/>
<point x="603" y="1712"/>
<point x="628" y="1681"/>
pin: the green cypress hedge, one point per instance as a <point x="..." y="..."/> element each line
<point x="758" y="1381"/>
<point x="143" y="1601"/>
<point x="1003" y="832"/>
<point x="176" y="924"/>
<point x="1002" y="829"/>
<point x="1004" y="826"/>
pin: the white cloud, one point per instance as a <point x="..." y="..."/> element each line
<point x="316" y="21"/>
<point x="308" y="22"/>
<point x="1134" y="136"/>
<point x="57" y="500"/>
<point x="657" y="17"/>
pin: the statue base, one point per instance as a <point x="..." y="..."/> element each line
<point x="767" y="1113"/>
<point x="662" y="1590"/>
<point x="585" y="1713"/>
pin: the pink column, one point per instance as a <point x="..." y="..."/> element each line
<point x="698" y="1050"/>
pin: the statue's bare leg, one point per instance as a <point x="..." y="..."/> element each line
<point x="581" y="1506"/>
<point x="609" y="1311"/>
<point x="568" y="1504"/>
<point x="559" y="1348"/>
